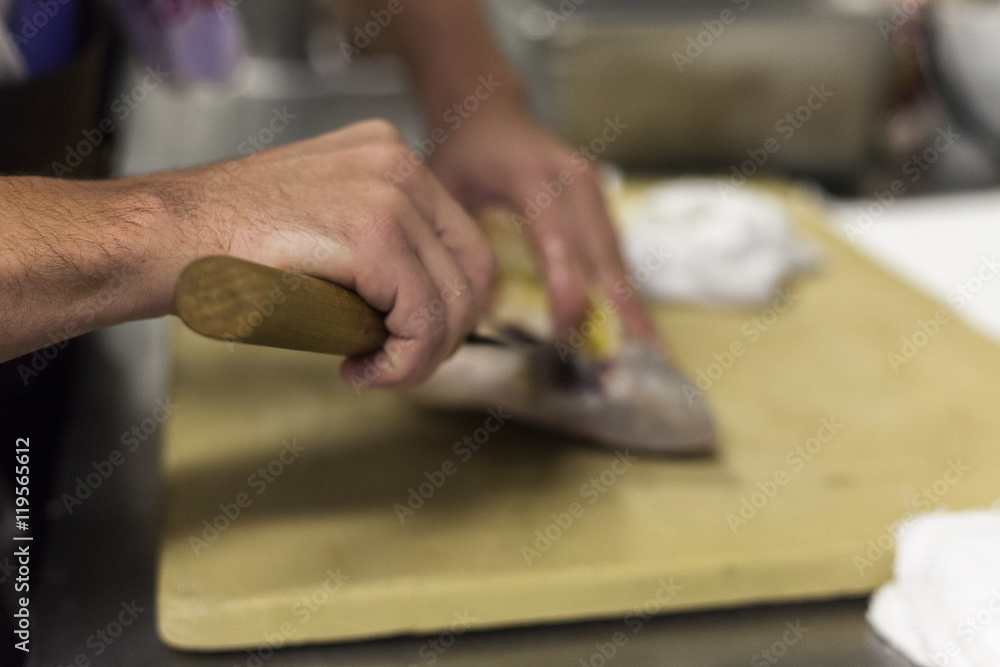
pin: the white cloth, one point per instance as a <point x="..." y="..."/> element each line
<point x="942" y="608"/>
<point x="691" y="240"/>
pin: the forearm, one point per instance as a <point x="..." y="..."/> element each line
<point x="77" y="256"/>
<point x="448" y="46"/>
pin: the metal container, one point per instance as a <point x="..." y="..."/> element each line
<point x="735" y="85"/>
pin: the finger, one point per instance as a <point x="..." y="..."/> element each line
<point x="553" y="243"/>
<point x="430" y="324"/>
<point x="599" y="242"/>
<point x="398" y="285"/>
<point x="457" y="231"/>
<point x="374" y="256"/>
<point x="454" y="302"/>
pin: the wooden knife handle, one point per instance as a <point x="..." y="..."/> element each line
<point x="235" y="300"/>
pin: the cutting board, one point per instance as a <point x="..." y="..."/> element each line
<point x="298" y="510"/>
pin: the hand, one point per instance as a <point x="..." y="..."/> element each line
<point x="500" y="155"/>
<point x="325" y="207"/>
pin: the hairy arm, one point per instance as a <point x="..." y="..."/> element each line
<point x="77" y="256"/>
<point x="80" y="255"/>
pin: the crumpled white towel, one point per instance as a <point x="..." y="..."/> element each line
<point x="689" y="240"/>
<point x="942" y="608"/>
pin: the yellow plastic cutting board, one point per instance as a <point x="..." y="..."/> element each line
<point x="826" y="443"/>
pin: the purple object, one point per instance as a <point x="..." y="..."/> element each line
<point x="191" y="40"/>
<point x="46" y="32"/>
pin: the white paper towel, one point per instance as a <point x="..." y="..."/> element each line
<point x="721" y="248"/>
<point x="942" y="607"/>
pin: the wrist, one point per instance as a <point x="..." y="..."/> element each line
<point x="469" y="90"/>
<point x="78" y="259"/>
<point x="176" y="219"/>
<point x="127" y="269"/>
<point x="462" y="61"/>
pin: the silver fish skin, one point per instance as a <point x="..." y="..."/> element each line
<point x="635" y="400"/>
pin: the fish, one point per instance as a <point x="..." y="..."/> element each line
<point x="635" y="399"/>
<point x="608" y="389"/>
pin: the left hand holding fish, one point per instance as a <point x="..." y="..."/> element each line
<point x="502" y="156"/>
<point x="486" y="149"/>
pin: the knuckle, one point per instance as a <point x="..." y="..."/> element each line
<point x="585" y="168"/>
<point x="386" y="157"/>
<point x="589" y="174"/>
<point x="437" y="333"/>
<point x="547" y="170"/>
<point x="433" y="310"/>
<point x="542" y="173"/>
<point x="381" y="129"/>
<point x="392" y="202"/>
<point x="381" y="235"/>
<point x="436" y="330"/>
